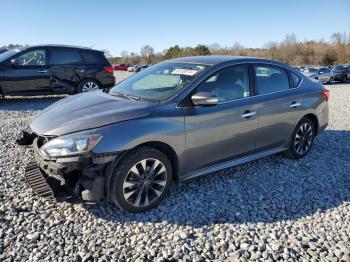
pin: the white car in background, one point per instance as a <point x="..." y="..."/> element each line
<point x="322" y="74"/>
<point x="133" y="68"/>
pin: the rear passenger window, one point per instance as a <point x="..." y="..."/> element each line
<point x="270" y="79"/>
<point x="89" y="58"/>
<point x="93" y="58"/>
<point x="295" y="79"/>
<point x="60" y="57"/>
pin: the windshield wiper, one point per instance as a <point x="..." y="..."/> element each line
<point x="137" y="98"/>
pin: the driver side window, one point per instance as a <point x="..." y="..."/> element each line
<point x="32" y="58"/>
<point x="228" y="84"/>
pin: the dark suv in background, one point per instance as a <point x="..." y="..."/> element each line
<point x="341" y="72"/>
<point x="53" y="69"/>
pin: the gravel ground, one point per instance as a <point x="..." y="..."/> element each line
<point x="270" y="209"/>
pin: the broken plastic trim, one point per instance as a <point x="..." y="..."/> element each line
<point x="26" y="139"/>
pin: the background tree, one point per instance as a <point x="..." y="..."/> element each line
<point x="147" y="53"/>
<point x="134" y="58"/>
<point x="124" y="57"/>
<point x="173" y="52"/>
<point x="201" y="50"/>
<point x="108" y="54"/>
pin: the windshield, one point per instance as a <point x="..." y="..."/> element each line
<point x="310" y="70"/>
<point x="340" y="67"/>
<point x="158" y="82"/>
<point x="7" y="54"/>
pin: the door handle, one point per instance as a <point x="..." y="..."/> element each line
<point x="42" y="71"/>
<point x="294" y="105"/>
<point x="248" y="114"/>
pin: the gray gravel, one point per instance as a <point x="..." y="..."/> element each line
<point x="271" y="209"/>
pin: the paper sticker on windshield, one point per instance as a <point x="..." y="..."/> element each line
<point x="187" y="72"/>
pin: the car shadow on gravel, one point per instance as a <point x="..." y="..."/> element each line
<point x="28" y="103"/>
<point x="267" y="190"/>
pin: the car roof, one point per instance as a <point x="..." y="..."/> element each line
<point x="219" y="59"/>
<point x="60" y="46"/>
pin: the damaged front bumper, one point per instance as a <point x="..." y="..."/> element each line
<point x="81" y="177"/>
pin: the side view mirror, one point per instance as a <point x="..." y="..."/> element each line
<point x="14" y="62"/>
<point x="204" y="99"/>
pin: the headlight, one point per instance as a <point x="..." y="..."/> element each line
<point x="71" y="144"/>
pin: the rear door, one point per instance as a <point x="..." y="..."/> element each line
<point x="324" y="74"/>
<point x="29" y="74"/>
<point x="66" y="69"/>
<point x="280" y="104"/>
<point x="224" y="131"/>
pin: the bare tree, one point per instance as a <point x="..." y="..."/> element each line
<point x="134" y="58"/>
<point x="108" y="54"/>
<point x="124" y="57"/>
<point x="147" y="53"/>
<point x="339" y="38"/>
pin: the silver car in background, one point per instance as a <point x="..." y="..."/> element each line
<point x="322" y="74"/>
<point x="173" y="121"/>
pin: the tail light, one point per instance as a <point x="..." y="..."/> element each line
<point x="326" y="94"/>
<point x="108" y="69"/>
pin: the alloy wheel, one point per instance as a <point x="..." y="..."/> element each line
<point x="303" y="138"/>
<point x="145" y="182"/>
<point x="90" y="86"/>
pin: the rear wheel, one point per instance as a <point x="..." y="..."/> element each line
<point x="88" y="85"/>
<point x="302" y="139"/>
<point x="141" y="180"/>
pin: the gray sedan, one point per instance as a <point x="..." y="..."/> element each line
<point x="176" y="120"/>
<point x="322" y="74"/>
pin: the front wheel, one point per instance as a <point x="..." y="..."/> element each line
<point x="331" y="80"/>
<point x="141" y="180"/>
<point x="302" y="139"/>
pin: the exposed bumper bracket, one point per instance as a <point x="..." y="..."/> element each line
<point x="37" y="181"/>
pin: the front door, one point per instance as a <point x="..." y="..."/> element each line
<point x="224" y="131"/>
<point x="27" y="74"/>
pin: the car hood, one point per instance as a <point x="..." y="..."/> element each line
<point x="87" y="111"/>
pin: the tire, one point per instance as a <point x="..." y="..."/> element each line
<point x="344" y="78"/>
<point x="305" y="128"/>
<point x="131" y="189"/>
<point x="88" y="85"/>
<point x="331" y="80"/>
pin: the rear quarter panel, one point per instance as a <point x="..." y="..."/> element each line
<point x="314" y="101"/>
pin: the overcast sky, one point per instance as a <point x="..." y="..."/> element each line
<point x="128" y="25"/>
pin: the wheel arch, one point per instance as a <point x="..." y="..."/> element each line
<point x="314" y="120"/>
<point x="168" y="151"/>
